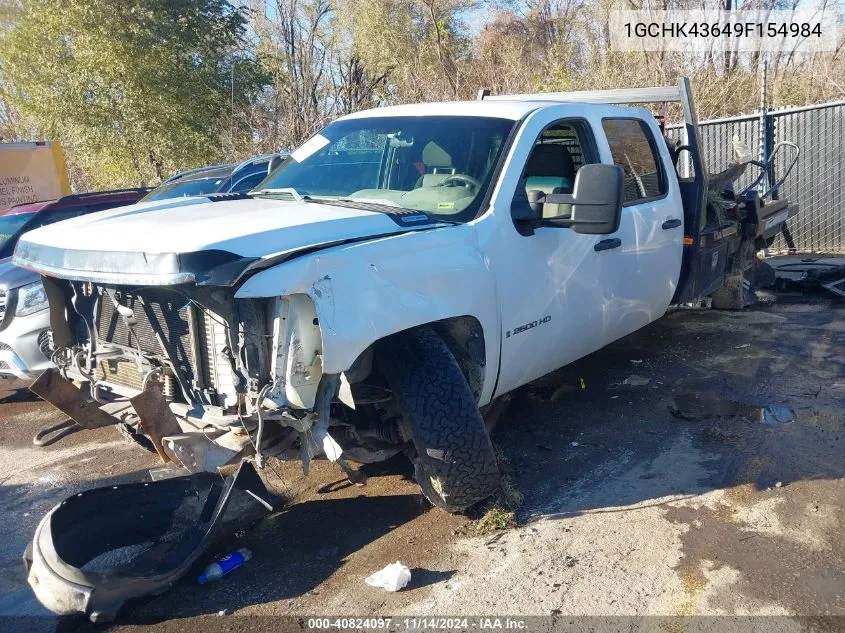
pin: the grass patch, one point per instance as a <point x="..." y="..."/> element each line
<point x="495" y="519"/>
<point x="500" y="510"/>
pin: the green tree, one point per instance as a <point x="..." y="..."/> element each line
<point x="135" y="89"/>
<point x="417" y="45"/>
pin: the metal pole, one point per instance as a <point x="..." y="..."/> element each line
<point x="232" y="113"/>
<point x="764" y="108"/>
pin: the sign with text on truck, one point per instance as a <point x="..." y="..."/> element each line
<point x="32" y="171"/>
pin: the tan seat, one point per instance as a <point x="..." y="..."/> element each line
<point x="438" y="165"/>
<point x="550" y="169"/>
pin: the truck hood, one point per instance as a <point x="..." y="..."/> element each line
<point x="202" y="240"/>
<point x="12" y="276"/>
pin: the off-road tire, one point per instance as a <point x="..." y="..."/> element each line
<point x="455" y="464"/>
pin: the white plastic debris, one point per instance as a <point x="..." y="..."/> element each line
<point x="636" y="381"/>
<point x="393" y="577"/>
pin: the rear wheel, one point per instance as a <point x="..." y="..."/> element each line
<point x="455" y="464"/>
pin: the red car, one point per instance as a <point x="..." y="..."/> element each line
<point x="21" y="218"/>
<point x="25" y="338"/>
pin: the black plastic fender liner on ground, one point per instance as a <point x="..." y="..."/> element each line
<point x="100" y="548"/>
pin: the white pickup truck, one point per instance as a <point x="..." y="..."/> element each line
<point x="401" y="270"/>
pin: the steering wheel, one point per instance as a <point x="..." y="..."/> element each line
<point x="463" y="179"/>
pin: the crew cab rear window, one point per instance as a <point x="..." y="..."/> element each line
<point x="633" y="149"/>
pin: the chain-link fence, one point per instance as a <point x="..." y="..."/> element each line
<point x="816" y="183"/>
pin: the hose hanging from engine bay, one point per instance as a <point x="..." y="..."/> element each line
<point x="259" y="433"/>
<point x="61" y="358"/>
<point x="148" y="376"/>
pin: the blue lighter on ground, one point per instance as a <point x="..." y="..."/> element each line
<point x="225" y="565"/>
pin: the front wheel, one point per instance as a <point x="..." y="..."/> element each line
<point x="455" y="464"/>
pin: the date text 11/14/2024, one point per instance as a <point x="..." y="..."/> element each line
<point x="419" y="623"/>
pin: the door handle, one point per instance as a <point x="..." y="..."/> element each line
<point x="606" y="245"/>
<point x="671" y="223"/>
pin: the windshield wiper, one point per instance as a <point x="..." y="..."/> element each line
<point x="378" y="207"/>
<point x="384" y="202"/>
<point x="290" y="191"/>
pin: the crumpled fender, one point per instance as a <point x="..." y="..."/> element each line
<point x="368" y="290"/>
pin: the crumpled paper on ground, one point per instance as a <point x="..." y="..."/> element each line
<point x="393" y="577"/>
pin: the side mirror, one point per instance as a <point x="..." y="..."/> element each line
<point x="275" y="161"/>
<point x="596" y="202"/>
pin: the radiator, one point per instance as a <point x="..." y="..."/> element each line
<point x="181" y="325"/>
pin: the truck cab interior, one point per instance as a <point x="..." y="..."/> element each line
<point x="551" y="167"/>
<point x="442" y="167"/>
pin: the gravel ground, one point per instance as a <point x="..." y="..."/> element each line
<point x="629" y="509"/>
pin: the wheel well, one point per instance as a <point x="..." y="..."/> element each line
<point x="464" y="337"/>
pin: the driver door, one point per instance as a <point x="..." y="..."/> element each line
<point x="564" y="294"/>
<point x="550" y="281"/>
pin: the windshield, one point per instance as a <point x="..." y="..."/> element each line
<point x="183" y="188"/>
<point x="10" y="226"/>
<point x="441" y="165"/>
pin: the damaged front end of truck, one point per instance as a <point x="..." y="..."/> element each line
<point x="206" y="378"/>
<point x="290" y="322"/>
<point x="211" y="382"/>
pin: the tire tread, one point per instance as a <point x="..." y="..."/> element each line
<point x="443" y="418"/>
